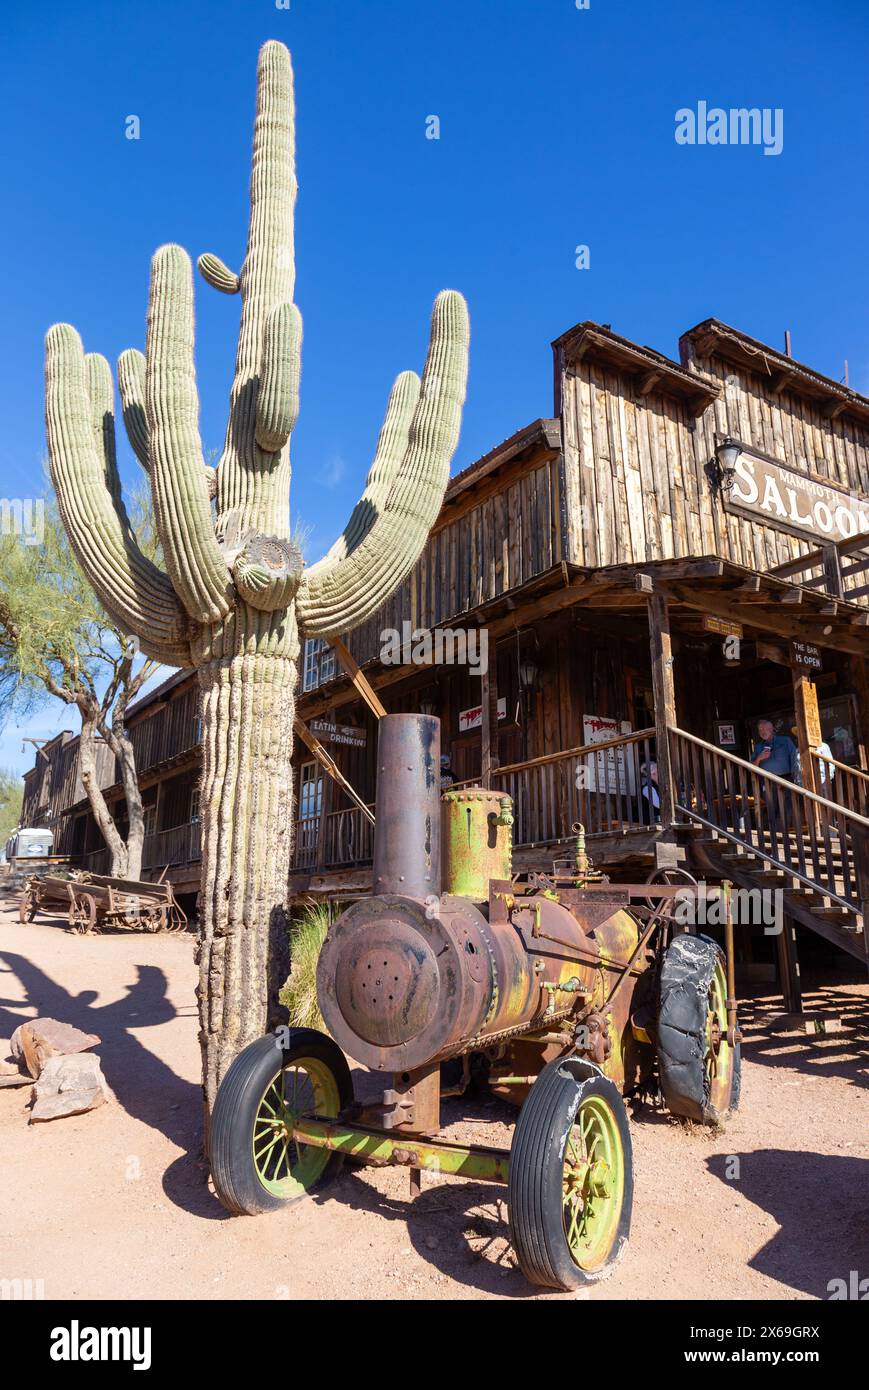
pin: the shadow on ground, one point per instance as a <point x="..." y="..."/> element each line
<point x="821" y="1203"/>
<point x="146" y="1087"/>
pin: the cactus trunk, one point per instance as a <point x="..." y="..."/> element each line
<point x="246" y="799"/>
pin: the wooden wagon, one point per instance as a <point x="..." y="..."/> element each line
<point x="93" y="901"/>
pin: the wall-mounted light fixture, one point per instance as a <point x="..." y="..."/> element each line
<point x="527" y="675"/>
<point x="721" y="469"/>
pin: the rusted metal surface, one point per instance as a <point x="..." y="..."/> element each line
<point x="476" y="841"/>
<point x="476" y="1161"/>
<point x="407" y="834"/>
<point x="412" y="1105"/>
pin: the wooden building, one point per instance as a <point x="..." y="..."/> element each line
<point x="166" y="731"/>
<point x="679" y="550"/>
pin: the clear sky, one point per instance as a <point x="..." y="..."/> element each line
<point x="557" y="129"/>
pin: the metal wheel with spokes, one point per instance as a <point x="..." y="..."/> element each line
<point x="571" y="1177"/>
<point x="256" y="1163"/>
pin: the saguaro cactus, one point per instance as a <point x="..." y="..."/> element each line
<point x="235" y="599"/>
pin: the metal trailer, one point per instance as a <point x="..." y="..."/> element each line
<point x="563" y="992"/>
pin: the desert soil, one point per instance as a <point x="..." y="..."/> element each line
<point x="116" y="1203"/>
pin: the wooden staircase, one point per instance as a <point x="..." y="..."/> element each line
<point x="714" y="855"/>
<point x="762" y="832"/>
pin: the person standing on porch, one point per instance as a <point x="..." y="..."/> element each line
<point x="778" y="754"/>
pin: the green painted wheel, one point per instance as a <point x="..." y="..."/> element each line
<point x="593" y="1184"/>
<point x="719" y="1059"/>
<point x="256" y="1163"/>
<point x="570" y="1188"/>
<point x="304" y="1087"/>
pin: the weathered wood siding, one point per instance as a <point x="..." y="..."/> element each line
<point x="508" y="536"/>
<point x="635" y="465"/>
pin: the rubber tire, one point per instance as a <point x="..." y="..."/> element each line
<point x="534" y="1191"/>
<point x="686" y="973"/>
<point x="238" y="1097"/>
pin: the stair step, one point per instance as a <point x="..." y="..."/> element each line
<point x="831" y="914"/>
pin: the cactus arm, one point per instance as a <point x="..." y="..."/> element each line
<point x="277" y="402"/>
<point x="253" y="482"/>
<point x="218" y="275"/>
<point x="81" y="445"/>
<point x="193" y="558"/>
<point x="131" y="384"/>
<point x="336" y="596"/>
<point x="391" y="446"/>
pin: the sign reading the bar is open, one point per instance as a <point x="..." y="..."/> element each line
<point x="806" y="656"/>
<point x="791" y="501"/>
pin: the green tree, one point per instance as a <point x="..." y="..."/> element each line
<point x="56" y="641"/>
<point x="11" y="794"/>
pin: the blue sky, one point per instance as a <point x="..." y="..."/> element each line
<point x="557" y="129"/>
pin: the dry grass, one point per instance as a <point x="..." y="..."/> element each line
<point x="299" y="994"/>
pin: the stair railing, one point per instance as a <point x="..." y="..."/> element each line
<point x="822" y="844"/>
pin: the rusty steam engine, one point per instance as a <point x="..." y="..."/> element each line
<point x="450" y="957"/>
<point x="558" y="990"/>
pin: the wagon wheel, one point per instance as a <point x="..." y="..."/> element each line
<point x="27" y="907"/>
<point x="571" y="1183"/>
<point x="82" y="913"/>
<point x="255" y="1162"/>
<point x="668" y="875"/>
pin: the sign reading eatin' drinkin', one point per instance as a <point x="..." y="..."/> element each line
<point x="793" y="501"/>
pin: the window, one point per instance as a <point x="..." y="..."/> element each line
<point x="310" y="790"/>
<point x="194" y="805"/>
<point x="319" y="663"/>
<point x="149" y="814"/>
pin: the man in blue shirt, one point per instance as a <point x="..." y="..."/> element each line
<point x="778" y="754"/>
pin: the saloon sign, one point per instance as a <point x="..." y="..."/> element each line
<point x="791" y="501"/>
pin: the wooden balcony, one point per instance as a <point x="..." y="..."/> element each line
<point x="164" y="849"/>
<point x="603" y="786"/>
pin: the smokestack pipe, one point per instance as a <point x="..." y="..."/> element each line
<point x="407" y="832"/>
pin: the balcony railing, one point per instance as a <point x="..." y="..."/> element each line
<point x="348" y="838"/>
<point x="847" y="786"/>
<point x="605" y="786"/>
<point x="178" y="845"/>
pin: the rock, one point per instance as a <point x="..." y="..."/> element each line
<point x="81" y="1071"/>
<point x="9" y="1069"/>
<point x="54" y="1107"/>
<point x="39" y="1039"/>
<point x="68" y="1086"/>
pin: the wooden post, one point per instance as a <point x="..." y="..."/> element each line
<point x="789" y="968"/>
<point x="489" y="727"/>
<point x="857" y="667"/>
<point x="808" y="726"/>
<point x="665" y="701"/>
<point x="360" y="681"/>
<point x="832" y="570"/>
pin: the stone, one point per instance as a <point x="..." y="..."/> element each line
<point x="81" y="1071"/>
<point x="55" y="1107"/>
<point x="39" y="1039"/>
<point x="68" y="1086"/>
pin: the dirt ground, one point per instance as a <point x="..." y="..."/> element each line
<point x="115" y="1203"/>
